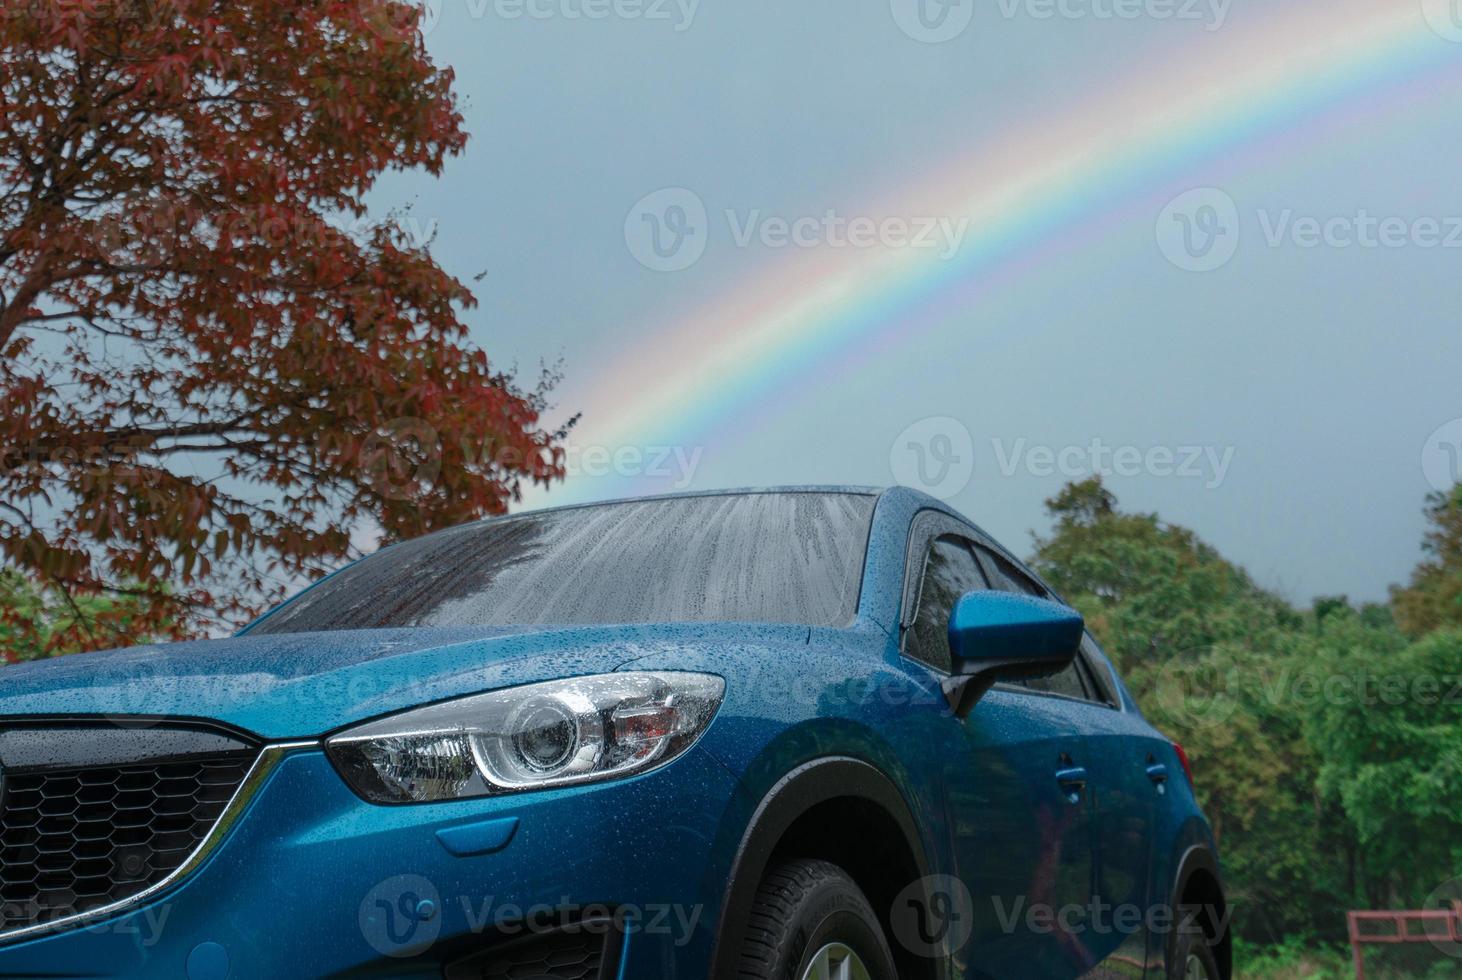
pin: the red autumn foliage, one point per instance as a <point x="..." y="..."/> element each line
<point x="206" y="385"/>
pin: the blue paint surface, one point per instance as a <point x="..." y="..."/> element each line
<point x="313" y="881"/>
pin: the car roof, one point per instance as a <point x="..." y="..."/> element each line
<point x="690" y="494"/>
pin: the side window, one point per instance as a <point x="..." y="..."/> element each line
<point x="1098" y="675"/>
<point x="1007" y="578"/>
<point x="950" y="571"/>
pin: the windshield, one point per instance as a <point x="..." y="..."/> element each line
<point x="759" y="557"/>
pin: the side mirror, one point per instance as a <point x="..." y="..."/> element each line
<point x="997" y="636"/>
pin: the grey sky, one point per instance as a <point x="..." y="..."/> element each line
<point x="1310" y="376"/>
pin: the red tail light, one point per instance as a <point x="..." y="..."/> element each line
<point x="1183" y="758"/>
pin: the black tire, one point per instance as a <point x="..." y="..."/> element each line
<point x="1193" y="944"/>
<point x="801" y="907"/>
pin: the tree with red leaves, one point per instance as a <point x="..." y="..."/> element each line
<point x="215" y="368"/>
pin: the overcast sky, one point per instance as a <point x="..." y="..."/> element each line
<point x="1277" y="396"/>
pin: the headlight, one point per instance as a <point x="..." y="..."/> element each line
<point x="561" y="733"/>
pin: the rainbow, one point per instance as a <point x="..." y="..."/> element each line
<point x="1044" y="183"/>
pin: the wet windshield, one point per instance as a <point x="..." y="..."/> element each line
<point x="767" y="557"/>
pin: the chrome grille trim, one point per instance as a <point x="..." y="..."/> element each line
<point x="267" y="761"/>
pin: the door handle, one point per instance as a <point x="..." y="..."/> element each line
<point x="1072" y="782"/>
<point x="1073" y="779"/>
<point x="1158" y="773"/>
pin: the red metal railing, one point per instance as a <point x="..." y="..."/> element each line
<point x="1440" y="927"/>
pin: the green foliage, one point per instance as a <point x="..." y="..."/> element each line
<point x="1434" y="598"/>
<point x="1391" y="740"/>
<point x="1150" y="591"/>
<point x="37" y="623"/>
<point x="1331" y="778"/>
<point x="1291" y="960"/>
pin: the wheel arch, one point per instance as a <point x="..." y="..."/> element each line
<point x="790" y="821"/>
<point x="1198" y="890"/>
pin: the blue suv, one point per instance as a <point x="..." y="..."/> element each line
<point x="804" y="734"/>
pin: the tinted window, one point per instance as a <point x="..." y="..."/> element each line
<point x="1098" y="675"/>
<point x="773" y="558"/>
<point x="1008" y="578"/>
<point x="950" y="571"/>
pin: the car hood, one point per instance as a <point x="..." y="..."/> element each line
<point x="303" y="685"/>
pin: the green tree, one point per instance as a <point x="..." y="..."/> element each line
<point x="1389" y="732"/>
<point x="1434" y="597"/>
<point x="1150" y="590"/>
<point x="36" y="624"/>
<point x="1209" y="654"/>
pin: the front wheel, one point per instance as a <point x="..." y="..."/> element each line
<point x="810" y="921"/>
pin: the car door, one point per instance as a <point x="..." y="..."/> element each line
<point x="1125" y="778"/>
<point x="1015" y="794"/>
<point x="1129" y="778"/>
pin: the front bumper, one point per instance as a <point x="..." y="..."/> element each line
<point x="311" y="881"/>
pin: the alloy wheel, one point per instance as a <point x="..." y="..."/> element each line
<point x="838" y="962"/>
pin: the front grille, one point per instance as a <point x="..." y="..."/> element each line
<point x="574" y="953"/>
<point x="76" y="839"/>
